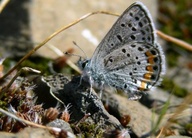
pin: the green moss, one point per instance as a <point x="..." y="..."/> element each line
<point x="188" y="127"/>
<point x="170" y="86"/>
<point x="89" y="130"/>
<point x="8" y="63"/>
<point x="3" y="104"/>
<point x="38" y="63"/>
<point x="67" y="70"/>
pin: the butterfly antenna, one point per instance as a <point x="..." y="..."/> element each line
<point x="80" y="49"/>
<point x="70" y="54"/>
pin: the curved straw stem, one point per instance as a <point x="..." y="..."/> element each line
<point x="161" y="34"/>
<point x="50" y="37"/>
<point x="174" y="40"/>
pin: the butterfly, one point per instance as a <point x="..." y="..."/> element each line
<point x="129" y="57"/>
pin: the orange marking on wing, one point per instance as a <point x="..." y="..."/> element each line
<point x="149" y="68"/>
<point x="147" y="75"/>
<point x="143" y="86"/>
<point x="150" y="60"/>
<point x="150" y="57"/>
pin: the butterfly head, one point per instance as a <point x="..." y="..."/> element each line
<point x="82" y="63"/>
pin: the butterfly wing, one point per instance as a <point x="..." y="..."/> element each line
<point x="134" y="67"/>
<point x="128" y="57"/>
<point x="134" y="25"/>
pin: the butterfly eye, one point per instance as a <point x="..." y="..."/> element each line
<point x="84" y="64"/>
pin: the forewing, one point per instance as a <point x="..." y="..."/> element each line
<point x="134" y="25"/>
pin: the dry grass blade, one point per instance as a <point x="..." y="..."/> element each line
<point x="175" y="40"/>
<point x="51" y="36"/>
<point x="3" y="3"/>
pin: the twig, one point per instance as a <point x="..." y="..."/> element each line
<point x="161" y="132"/>
<point x="174" y="40"/>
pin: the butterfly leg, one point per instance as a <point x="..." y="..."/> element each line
<point x="80" y="81"/>
<point x="91" y="81"/>
<point x="101" y="89"/>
